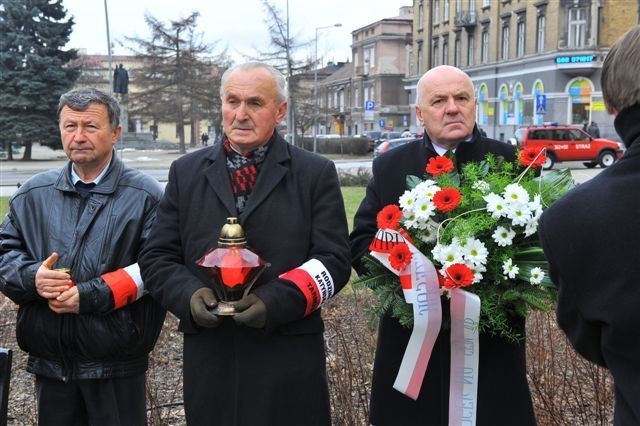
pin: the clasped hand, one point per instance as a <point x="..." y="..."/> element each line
<point x="252" y="312"/>
<point x="57" y="287"/>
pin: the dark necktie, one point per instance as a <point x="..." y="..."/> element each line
<point x="84" y="188"/>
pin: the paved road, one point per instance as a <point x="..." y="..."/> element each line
<point x="156" y="163"/>
<point x="153" y="162"/>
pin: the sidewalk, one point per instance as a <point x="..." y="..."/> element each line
<point x="45" y="158"/>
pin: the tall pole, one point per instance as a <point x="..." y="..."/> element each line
<point x="316" y="112"/>
<point x="106" y="18"/>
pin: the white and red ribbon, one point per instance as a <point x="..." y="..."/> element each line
<point x="419" y="281"/>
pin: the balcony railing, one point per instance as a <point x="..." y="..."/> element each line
<point x="466" y="18"/>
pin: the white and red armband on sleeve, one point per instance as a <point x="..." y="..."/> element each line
<point x="125" y="284"/>
<point x="314" y="281"/>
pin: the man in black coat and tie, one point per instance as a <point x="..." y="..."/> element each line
<point x="446" y="107"/>
<point x="590" y="237"/>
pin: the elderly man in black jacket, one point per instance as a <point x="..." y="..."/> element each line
<point x="88" y="329"/>
<point x="265" y="365"/>
<point x="446" y="107"/>
<point x="590" y="237"/>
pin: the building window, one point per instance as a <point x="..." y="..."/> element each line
<point x="486" y="3"/>
<point x="505" y="42"/>
<point x="369" y="58"/>
<point x="435" y="53"/>
<point x="457" y="51"/>
<point x="483" y="105"/>
<point x="577" y="27"/>
<point x="484" y="52"/>
<point x="446" y="10"/>
<point x="458" y="6"/>
<point x="542" y="27"/>
<point x="580" y="100"/>
<point x="436" y="12"/>
<point x="445" y="50"/>
<point x="420" y="59"/>
<point x="471" y="42"/>
<point x="420" y="16"/>
<point x="503" y="96"/>
<point x="521" y="37"/>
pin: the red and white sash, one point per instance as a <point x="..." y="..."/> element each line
<point x="420" y="285"/>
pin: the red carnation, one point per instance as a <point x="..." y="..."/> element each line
<point x="439" y="165"/>
<point x="447" y="199"/>
<point x="458" y="275"/>
<point x="532" y="157"/>
<point x="400" y="256"/>
<point x="389" y="217"/>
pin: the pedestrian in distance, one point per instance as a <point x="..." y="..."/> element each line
<point x="593" y="130"/>
<point x="205" y="139"/>
<point x="87" y="328"/>
<point x="446" y="107"/>
<point x="265" y="365"/>
<point x="592" y="257"/>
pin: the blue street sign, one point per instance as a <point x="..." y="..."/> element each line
<point x="369" y="105"/>
<point x="381" y="122"/>
<point x="541" y="104"/>
<point x="405" y="120"/>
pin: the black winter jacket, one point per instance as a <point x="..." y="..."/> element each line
<point x="92" y="236"/>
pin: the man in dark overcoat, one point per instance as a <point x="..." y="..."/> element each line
<point x="590" y="238"/>
<point x="446" y="106"/>
<point x="265" y="365"/>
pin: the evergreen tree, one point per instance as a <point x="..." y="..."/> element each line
<point x="34" y="71"/>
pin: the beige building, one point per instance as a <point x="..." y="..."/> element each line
<point x="530" y="61"/>
<point x="368" y="93"/>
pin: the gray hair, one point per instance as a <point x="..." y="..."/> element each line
<point x="620" y="82"/>
<point x="80" y="99"/>
<point x="281" y="82"/>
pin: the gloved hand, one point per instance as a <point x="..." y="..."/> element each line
<point x="253" y="311"/>
<point x="200" y="304"/>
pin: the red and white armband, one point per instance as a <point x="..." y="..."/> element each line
<point x="126" y="285"/>
<point x="314" y="281"/>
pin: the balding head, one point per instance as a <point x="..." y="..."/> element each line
<point x="446" y="105"/>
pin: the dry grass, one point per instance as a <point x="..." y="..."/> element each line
<point x="567" y="389"/>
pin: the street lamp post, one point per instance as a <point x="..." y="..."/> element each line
<point x="315" y="86"/>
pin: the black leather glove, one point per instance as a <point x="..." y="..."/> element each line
<point x="253" y="312"/>
<point x="201" y="303"/>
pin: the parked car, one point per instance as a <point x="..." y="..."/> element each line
<point x="385" y="136"/>
<point x="569" y="143"/>
<point x="390" y="144"/>
<point x="371" y="136"/>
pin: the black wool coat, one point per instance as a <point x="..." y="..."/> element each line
<point x="503" y="392"/>
<point x="235" y="375"/>
<point x="590" y="238"/>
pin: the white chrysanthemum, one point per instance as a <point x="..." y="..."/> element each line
<point x="495" y="204"/>
<point x="447" y="255"/>
<point x="536" y="207"/>
<point x="518" y="213"/>
<point x="515" y="193"/>
<point x="537" y="274"/>
<point x="503" y="236"/>
<point x="406" y="201"/>
<point x="482" y="186"/>
<point x="424" y="207"/>
<point x="429" y="233"/>
<point x="411" y="222"/>
<point x="475" y="252"/>
<point x="509" y="269"/>
<point x="425" y="189"/>
<point x="531" y="227"/>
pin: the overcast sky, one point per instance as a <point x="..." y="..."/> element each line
<point x="238" y="25"/>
